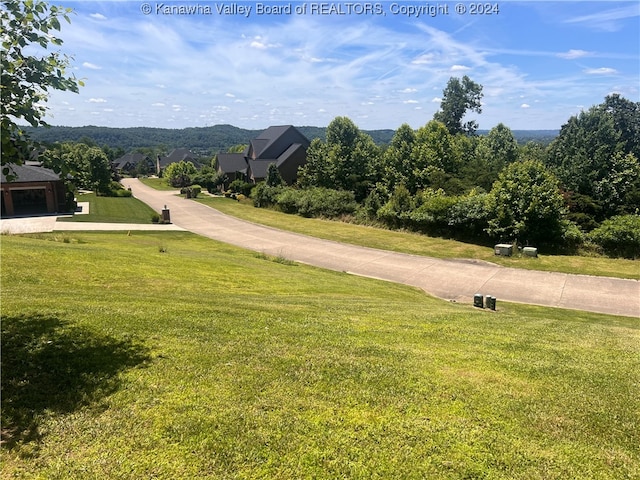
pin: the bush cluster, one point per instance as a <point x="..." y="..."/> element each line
<point x="618" y="236"/>
<point x="310" y="202"/>
<point x="115" y="189"/>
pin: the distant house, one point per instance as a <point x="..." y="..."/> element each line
<point x="131" y="161"/>
<point x="176" y="155"/>
<point x="282" y="145"/>
<point x="35" y="190"/>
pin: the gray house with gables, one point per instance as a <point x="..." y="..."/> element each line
<point x="282" y="145"/>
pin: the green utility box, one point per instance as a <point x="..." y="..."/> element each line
<point x="503" y="249"/>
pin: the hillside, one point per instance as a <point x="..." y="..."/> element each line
<point x="207" y="140"/>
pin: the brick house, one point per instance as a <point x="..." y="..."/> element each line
<point x="35" y="190"/>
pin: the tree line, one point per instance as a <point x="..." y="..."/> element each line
<point x="443" y="179"/>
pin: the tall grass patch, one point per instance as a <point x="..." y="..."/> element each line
<point x="206" y="361"/>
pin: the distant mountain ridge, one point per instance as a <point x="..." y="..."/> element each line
<point x="208" y="140"/>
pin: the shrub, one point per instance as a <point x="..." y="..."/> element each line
<point x="468" y="216"/>
<point x="195" y="190"/>
<point x="116" y="189"/>
<point x="265" y="196"/>
<point x="619" y="236"/>
<point x="287" y="200"/>
<point x="433" y="212"/>
<point x="316" y="202"/>
<point x="240" y="186"/>
<point x="395" y="212"/>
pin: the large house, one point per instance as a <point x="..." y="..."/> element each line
<point x="35" y="190"/>
<point x="176" y="155"/>
<point x="282" y="145"/>
<point x="131" y="161"/>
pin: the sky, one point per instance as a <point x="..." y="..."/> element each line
<point x="154" y="64"/>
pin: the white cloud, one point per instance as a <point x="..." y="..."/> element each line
<point x="229" y="95"/>
<point x="573" y="54"/>
<point x="97" y="100"/>
<point x="436" y="100"/>
<point x="525" y="105"/>
<point x="459" y="68"/>
<point x="410" y="101"/>
<point x="97" y="16"/>
<point x="608" y="20"/>
<point x="158" y="104"/>
<point x="408" y="90"/>
<point x="91" y="66"/>
<point x="600" y="71"/>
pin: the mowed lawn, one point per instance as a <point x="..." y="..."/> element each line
<point x="112" y="210"/>
<point x="167" y="355"/>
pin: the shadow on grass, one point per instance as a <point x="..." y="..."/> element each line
<point x="49" y="365"/>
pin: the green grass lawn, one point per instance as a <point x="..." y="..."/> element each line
<point x="167" y="355"/>
<point x="417" y="244"/>
<point x="113" y="210"/>
<point x="157" y="183"/>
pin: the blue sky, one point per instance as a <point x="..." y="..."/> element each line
<point x="539" y="63"/>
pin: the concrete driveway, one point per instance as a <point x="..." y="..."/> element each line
<point x="456" y="280"/>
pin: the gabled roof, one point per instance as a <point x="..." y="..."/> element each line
<point x="129" y="158"/>
<point x="275" y="140"/>
<point x="232" y="162"/>
<point x="178" y="155"/>
<point x="31" y="173"/>
<point x="259" y="168"/>
<point x="288" y="152"/>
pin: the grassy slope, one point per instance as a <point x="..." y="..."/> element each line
<point x="166" y="355"/>
<point x="113" y="210"/>
<point x="421" y="244"/>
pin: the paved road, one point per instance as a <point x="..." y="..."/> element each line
<point x="455" y="280"/>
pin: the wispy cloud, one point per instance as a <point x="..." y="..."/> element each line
<point x="91" y="66"/>
<point x="608" y="20"/>
<point x="601" y="71"/>
<point x="573" y="54"/>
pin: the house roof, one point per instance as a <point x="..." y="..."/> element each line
<point x="130" y="158"/>
<point x="275" y="140"/>
<point x="274" y="145"/>
<point x="259" y="168"/>
<point x="31" y="173"/>
<point x="232" y="162"/>
<point x="178" y="155"/>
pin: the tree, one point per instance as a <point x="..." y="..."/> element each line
<point x="88" y="166"/>
<point x="180" y="174"/>
<point x="458" y="97"/>
<point x="525" y="204"/>
<point x="28" y="77"/>
<point x="434" y="157"/>
<point x="494" y="152"/>
<point x="398" y="157"/>
<point x="346" y="161"/>
<point x="317" y="171"/>
<point x="590" y="154"/>
<point x="626" y="120"/>
<point x="274" y="179"/>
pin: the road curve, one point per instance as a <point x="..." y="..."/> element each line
<point x="450" y="279"/>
